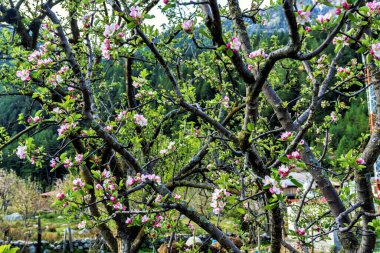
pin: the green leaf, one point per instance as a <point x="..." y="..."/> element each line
<point x="230" y="53"/>
<point x="270" y="206"/>
<point x="296" y="183"/>
<point x="250" y="127"/>
<point x="361" y="50"/>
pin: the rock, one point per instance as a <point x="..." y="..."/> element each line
<point x="216" y="247"/>
<point x="46" y="251"/>
<point x="164" y="248"/>
<point x="32" y="249"/>
<point x="194" y="240"/>
<point x="80" y="247"/>
<point x="84" y="231"/>
<point x="13" y="217"/>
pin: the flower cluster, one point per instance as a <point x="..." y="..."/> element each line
<point x="283" y="170"/>
<point x="273" y="185"/>
<point x="260" y="53"/>
<point x="300" y="231"/>
<point x="285" y="136"/>
<point x="78" y="183"/>
<point x="135" y="14"/>
<point x="109" y="30"/>
<point x="171" y="147"/>
<point x="360" y="161"/>
<point x="341" y="39"/>
<point x="375" y="50"/>
<point x="54" y="162"/>
<point x="303" y="17"/>
<point x="294" y="155"/>
<point x="374" y="7"/>
<point x="140" y="120"/>
<point x="234" y="45"/>
<point x="24" y="75"/>
<point x="188" y="26"/>
<point x="142" y="178"/>
<point x="21" y="152"/>
<point x="225" y="101"/>
<point x="218" y="200"/>
<point x="122" y="115"/>
<point x="343" y="72"/>
<point x="65" y="127"/>
<point x="323" y="19"/>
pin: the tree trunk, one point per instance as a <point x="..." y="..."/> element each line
<point x="276" y="221"/>
<point x="124" y="243"/>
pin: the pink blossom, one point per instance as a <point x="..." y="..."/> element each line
<point x="188" y="25"/>
<point x="250" y="67"/>
<point x="144" y="219"/>
<point x="225" y="101"/>
<point x="275" y="190"/>
<point x="79" y="158"/>
<point x="333" y="116"/>
<point x="346" y="5"/>
<point x="323" y="199"/>
<point x="303" y="17"/>
<point x="98" y="186"/>
<point x="111" y="187"/>
<point x="82" y="225"/>
<point x="296" y="154"/>
<point x="53" y="162"/>
<point x="258" y="53"/>
<point x="106" y="173"/>
<point x="300" y="231"/>
<point x="130" y="181"/>
<point x="163" y="152"/>
<point x="158" y="198"/>
<point x="374" y="7"/>
<point x="60" y="196"/>
<point x="268" y="180"/>
<point x="140" y="120"/>
<point x="177" y="197"/>
<point x="37" y="119"/>
<point x="78" y="182"/>
<point x="218" y="200"/>
<point x="68" y="163"/>
<point x="375" y="50"/>
<point x="21" y="152"/>
<point x="121" y="115"/>
<point x="171" y="145"/>
<point x="360" y="161"/>
<point x="108" y="128"/>
<point x="235" y="44"/>
<point x="135" y="13"/>
<point x="118" y="206"/>
<point x="106" y="47"/>
<point x="308" y="29"/>
<point x="283" y="171"/>
<point x="56" y="110"/>
<point x="34" y="56"/>
<point x="285" y="135"/>
<point x="324" y="18"/>
<point x="24" y="75"/>
<point x="128" y="221"/>
<point x="110" y="29"/>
